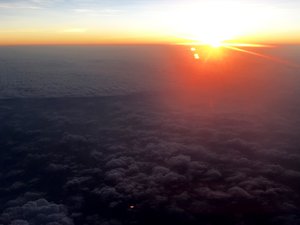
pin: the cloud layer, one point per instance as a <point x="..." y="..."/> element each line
<point x="129" y="160"/>
<point x="211" y="149"/>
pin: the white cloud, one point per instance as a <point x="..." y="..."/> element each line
<point x="102" y="12"/>
<point x="31" y="4"/>
<point x="17" y="5"/>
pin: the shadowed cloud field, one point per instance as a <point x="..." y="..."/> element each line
<point x="148" y="135"/>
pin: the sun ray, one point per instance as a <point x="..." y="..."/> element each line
<point x="248" y="45"/>
<point x="262" y="55"/>
<point x="211" y="50"/>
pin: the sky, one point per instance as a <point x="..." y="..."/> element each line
<point x="132" y="21"/>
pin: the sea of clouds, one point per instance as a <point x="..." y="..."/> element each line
<point x="80" y="71"/>
<point x="220" y="151"/>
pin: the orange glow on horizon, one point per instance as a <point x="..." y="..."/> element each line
<point x="89" y="38"/>
<point x="84" y="38"/>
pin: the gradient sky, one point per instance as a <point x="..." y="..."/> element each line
<point x="157" y="21"/>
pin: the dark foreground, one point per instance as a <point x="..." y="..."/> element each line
<point x="179" y="141"/>
<point x="145" y="160"/>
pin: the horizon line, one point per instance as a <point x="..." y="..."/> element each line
<point x="141" y="44"/>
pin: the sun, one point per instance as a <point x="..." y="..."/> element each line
<point x="211" y="42"/>
<point x="215" y="22"/>
<point x="214" y="43"/>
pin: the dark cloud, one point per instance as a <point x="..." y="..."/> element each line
<point x="36" y="212"/>
<point x="149" y="159"/>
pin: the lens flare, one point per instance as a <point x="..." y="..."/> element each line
<point x="196" y="56"/>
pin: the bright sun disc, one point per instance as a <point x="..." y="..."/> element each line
<point x="215" y="44"/>
<point x="215" y="22"/>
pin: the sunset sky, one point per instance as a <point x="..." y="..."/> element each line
<point x="156" y="21"/>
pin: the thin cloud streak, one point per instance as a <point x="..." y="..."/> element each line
<point x="33" y="4"/>
<point x="17" y="6"/>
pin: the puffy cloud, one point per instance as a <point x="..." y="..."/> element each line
<point x="239" y="192"/>
<point x="207" y="193"/>
<point x="212" y="174"/>
<point x="119" y="162"/>
<point x="19" y="222"/>
<point x="100" y="156"/>
<point x="180" y="163"/>
<point x="36" y="212"/>
<point x="107" y="193"/>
